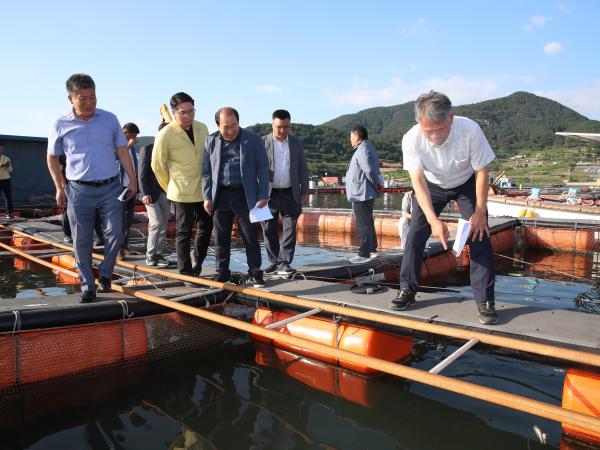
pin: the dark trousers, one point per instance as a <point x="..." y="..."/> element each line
<point x="128" y="212"/>
<point x="232" y="204"/>
<point x="186" y="215"/>
<point x="67" y="227"/>
<point x="281" y="204"/>
<point x="482" y="260"/>
<point x="6" y="188"/>
<point x="363" y="214"/>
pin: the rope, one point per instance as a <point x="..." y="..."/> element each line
<point x="17" y="324"/>
<point x="125" y="308"/>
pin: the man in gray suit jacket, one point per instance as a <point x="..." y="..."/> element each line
<point x="235" y="179"/>
<point x="363" y="181"/>
<point x="289" y="182"/>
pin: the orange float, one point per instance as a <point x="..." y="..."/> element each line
<point x="567" y="239"/>
<point x="358" y="339"/>
<point x="581" y="393"/>
<point x="317" y="375"/>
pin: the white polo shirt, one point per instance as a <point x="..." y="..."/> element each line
<point x="451" y="164"/>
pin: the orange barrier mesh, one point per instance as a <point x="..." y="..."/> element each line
<point x="34" y="360"/>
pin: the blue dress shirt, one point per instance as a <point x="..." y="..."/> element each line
<point x="89" y="146"/>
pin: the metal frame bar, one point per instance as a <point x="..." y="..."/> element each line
<point x="312" y="312"/>
<point x="454" y="356"/>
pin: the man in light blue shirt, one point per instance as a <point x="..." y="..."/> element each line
<point x="89" y="138"/>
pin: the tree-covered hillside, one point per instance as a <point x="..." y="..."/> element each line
<point x="517" y="121"/>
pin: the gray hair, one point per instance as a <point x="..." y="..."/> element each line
<point x="434" y="106"/>
<point x="79" y="81"/>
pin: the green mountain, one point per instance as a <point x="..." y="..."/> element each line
<point x="512" y="123"/>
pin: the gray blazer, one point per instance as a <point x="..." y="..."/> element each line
<point x="298" y="166"/>
<point x="253" y="162"/>
<point x="363" y="176"/>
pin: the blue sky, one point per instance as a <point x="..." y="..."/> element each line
<point x="318" y="59"/>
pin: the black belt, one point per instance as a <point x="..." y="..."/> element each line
<point x="281" y="189"/>
<point x="237" y="187"/>
<point x="96" y="183"/>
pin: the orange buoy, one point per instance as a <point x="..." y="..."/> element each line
<point x="581" y="393"/>
<point x="568" y="239"/>
<point x="358" y="339"/>
<point x="317" y="375"/>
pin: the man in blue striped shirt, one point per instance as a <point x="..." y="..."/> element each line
<point x="89" y="138"/>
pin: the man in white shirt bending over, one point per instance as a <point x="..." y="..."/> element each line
<point x="447" y="157"/>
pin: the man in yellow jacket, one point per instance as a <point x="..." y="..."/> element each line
<point x="176" y="162"/>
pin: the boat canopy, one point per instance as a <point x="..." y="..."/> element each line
<point x="588" y="137"/>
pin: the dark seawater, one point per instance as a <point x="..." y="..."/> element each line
<point x="224" y="399"/>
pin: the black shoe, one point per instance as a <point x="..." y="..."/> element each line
<point x="87" y="297"/>
<point x="161" y="261"/>
<point x="487" y="313"/>
<point x="104" y="285"/>
<point x="286" y="270"/>
<point x="403" y="300"/>
<point x="197" y="271"/>
<point x="68" y="240"/>
<point x="271" y="269"/>
<point x="255" y="281"/>
<point x="223" y="277"/>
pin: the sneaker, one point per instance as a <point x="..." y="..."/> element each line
<point x="403" y="300"/>
<point x="161" y="261"/>
<point x="10" y="216"/>
<point x="223" y="277"/>
<point x="374" y="255"/>
<point x="286" y="270"/>
<point x="359" y="260"/>
<point x="487" y="313"/>
<point x="255" y="281"/>
<point x="271" y="269"/>
<point x="68" y="240"/>
<point x="87" y="297"/>
<point x="104" y="284"/>
<point x="98" y="243"/>
<point x="151" y="261"/>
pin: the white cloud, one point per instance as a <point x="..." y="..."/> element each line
<point x="537" y="22"/>
<point x="268" y="88"/>
<point x="562" y="7"/>
<point x="552" y="48"/>
<point x="460" y="90"/>
<point x="585" y="100"/>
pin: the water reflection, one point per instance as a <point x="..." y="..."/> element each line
<point x="224" y="399"/>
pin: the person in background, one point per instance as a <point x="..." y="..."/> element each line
<point x="363" y="182"/>
<point x="404" y="222"/>
<point x="157" y="207"/>
<point x="289" y="183"/>
<point x="93" y="178"/>
<point x="5" y="183"/>
<point x="447" y="157"/>
<point x="131" y="131"/>
<point x="235" y="179"/>
<point x="177" y="161"/>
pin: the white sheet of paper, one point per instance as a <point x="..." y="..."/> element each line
<point x="462" y="233"/>
<point x="258" y="214"/>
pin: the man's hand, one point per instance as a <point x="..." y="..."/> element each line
<point x="208" y="207"/>
<point x="147" y="200"/>
<point x="132" y="141"/>
<point x="439" y="230"/>
<point x="262" y="202"/>
<point x="61" y="198"/>
<point x="479" y="225"/>
<point x="132" y="189"/>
